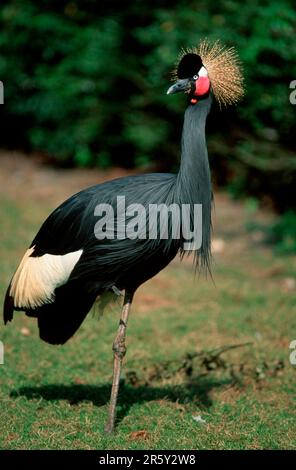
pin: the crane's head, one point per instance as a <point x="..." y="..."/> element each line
<point x="209" y="68"/>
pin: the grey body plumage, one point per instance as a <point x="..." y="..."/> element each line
<point x="123" y="263"/>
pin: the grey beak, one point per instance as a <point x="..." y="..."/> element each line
<point x="180" y="85"/>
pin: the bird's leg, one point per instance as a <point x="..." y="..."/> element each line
<point x="119" y="350"/>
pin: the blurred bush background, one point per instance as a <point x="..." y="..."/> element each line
<point x="85" y="84"/>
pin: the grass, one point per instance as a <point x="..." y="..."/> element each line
<point x="56" y="397"/>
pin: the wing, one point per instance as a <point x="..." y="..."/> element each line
<point x="66" y="250"/>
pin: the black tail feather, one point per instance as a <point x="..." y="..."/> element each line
<point x="8" y="307"/>
<point x="59" y="321"/>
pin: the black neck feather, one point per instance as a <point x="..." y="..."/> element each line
<point x="194" y="178"/>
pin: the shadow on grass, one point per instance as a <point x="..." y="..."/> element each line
<point x="196" y="391"/>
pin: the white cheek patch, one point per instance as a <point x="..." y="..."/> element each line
<point x="36" y="278"/>
<point x="203" y="72"/>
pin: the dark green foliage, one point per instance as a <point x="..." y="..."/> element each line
<point x="85" y="81"/>
<point x="283" y="233"/>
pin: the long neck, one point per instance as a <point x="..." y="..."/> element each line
<point x="194" y="179"/>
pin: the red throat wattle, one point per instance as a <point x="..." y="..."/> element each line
<point x="202" y="86"/>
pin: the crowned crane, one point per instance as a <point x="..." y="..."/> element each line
<point x="69" y="264"/>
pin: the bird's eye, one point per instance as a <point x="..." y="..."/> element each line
<point x="195" y="77"/>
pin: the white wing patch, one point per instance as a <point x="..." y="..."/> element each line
<point x="36" y="278"/>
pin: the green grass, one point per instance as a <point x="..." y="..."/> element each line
<point x="56" y="397"/>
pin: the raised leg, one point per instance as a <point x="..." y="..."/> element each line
<point x="119" y="351"/>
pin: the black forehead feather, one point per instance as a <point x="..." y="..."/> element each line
<point x="189" y="65"/>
